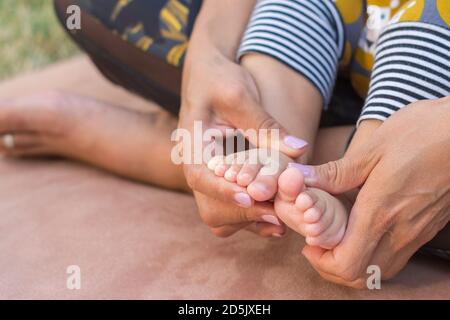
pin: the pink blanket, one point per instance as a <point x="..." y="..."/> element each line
<point x="135" y="241"/>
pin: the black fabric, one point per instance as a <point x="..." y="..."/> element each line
<point x="123" y="63"/>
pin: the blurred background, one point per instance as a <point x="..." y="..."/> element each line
<point x="30" y="36"/>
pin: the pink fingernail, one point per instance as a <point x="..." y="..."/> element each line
<point x="271" y="219"/>
<point x="294" y="142"/>
<point x="306" y="170"/>
<point x="277" y="235"/>
<point x="243" y="200"/>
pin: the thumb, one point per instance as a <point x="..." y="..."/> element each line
<point x="341" y="175"/>
<point x="260" y="128"/>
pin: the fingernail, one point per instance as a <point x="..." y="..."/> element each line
<point x="294" y="142"/>
<point x="277" y="235"/>
<point x="309" y="241"/>
<point x="243" y="200"/>
<point x="306" y="170"/>
<point x="302" y="252"/>
<point x="271" y="219"/>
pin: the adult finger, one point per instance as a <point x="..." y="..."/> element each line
<point x="267" y="230"/>
<point x="263" y="229"/>
<point x="238" y="107"/>
<point x="217" y="213"/>
<point x="229" y="230"/>
<point x="204" y="181"/>
<point x="341" y="175"/>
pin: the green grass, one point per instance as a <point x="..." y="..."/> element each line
<point x="30" y="36"/>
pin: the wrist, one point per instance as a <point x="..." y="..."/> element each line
<point x="363" y="134"/>
<point x="220" y="26"/>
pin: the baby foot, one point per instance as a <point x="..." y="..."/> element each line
<point x="257" y="170"/>
<point x="316" y="214"/>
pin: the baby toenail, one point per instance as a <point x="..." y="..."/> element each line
<point x="245" y="177"/>
<point x="220" y="169"/>
<point x="230" y="174"/>
<point x="212" y="165"/>
<point x="271" y="219"/>
<point x="261" y="188"/>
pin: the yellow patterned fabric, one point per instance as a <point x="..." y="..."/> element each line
<point x="162" y="27"/>
<point x="159" y="27"/>
<point x="364" y="21"/>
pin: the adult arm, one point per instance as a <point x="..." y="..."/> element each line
<point x="221" y="94"/>
<point x="403" y="165"/>
<point x="405" y="198"/>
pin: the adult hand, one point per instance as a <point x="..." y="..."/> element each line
<point x="404" y="171"/>
<point x="221" y="94"/>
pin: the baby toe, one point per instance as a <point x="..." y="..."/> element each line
<point x="290" y="185"/>
<point x="264" y="187"/>
<point x="305" y="200"/>
<point x="212" y="164"/>
<point x="220" y="169"/>
<point x="312" y="216"/>
<point x="314" y="241"/>
<point x="248" y="173"/>
<point x="323" y="222"/>
<point x="328" y="239"/>
<point x="232" y="172"/>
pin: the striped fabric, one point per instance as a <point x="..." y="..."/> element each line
<point x="412" y="63"/>
<point x="307" y="36"/>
